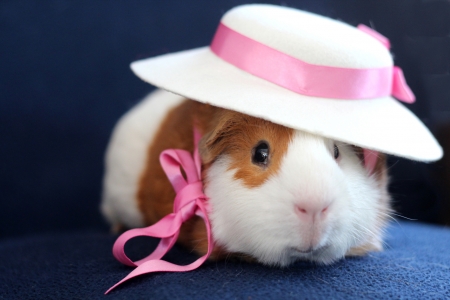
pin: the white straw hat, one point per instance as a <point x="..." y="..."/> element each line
<point x="302" y="71"/>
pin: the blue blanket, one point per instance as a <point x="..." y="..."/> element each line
<point x="415" y="264"/>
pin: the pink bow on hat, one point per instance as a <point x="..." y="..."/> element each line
<point x="190" y="201"/>
<point x="400" y="88"/>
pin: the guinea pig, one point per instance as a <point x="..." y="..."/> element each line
<point x="276" y="194"/>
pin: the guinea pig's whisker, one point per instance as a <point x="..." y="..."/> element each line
<point x="196" y="243"/>
<point x="228" y="257"/>
<point x="376" y="236"/>
<point x="364" y="230"/>
<point x="369" y="231"/>
<point x="393" y="165"/>
<point x="200" y="240"/>
<point x="359" y="231"/>
<point x="400" y="216"/>
<point x="390" y="216"/>
<point x="358" y="234"/>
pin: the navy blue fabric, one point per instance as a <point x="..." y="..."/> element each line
<point x="415" y="265"/>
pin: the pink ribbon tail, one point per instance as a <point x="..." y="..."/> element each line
<point x="190" y="201"/>
<point x="400" y="88"/>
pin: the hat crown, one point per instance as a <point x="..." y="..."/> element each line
<point x="308" y="37"/>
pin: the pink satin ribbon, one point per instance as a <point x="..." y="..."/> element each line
<point x="400" y="88"/>
<point x="309" y="79"/>
<point x="190" y="201"/>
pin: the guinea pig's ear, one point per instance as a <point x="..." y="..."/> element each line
<point x="214" y="142"/>
<point x="359" y="153"/>
<point x="380" y="168"/>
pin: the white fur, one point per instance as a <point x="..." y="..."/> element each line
<point x="262" y="222"/>
<point x="126" y="157"/>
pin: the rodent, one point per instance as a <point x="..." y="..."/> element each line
<point x="276" y="194"/>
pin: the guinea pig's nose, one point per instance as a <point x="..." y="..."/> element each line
<point x="312" y="211"/>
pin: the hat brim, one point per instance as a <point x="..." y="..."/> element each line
<point x="381" y="124"/>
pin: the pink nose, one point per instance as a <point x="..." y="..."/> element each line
<point x="312" y="212"/>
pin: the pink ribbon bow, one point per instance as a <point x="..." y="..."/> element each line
<point x="400" y="88"/>
<point x="189" y="201"/>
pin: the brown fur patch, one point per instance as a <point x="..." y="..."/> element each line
<point x="155" y="193"/>
<point x="236" y="135"/>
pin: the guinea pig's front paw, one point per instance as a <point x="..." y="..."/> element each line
<point x="373" y="246"/>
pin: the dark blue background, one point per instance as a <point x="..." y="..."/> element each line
<point x="65" y="80"/>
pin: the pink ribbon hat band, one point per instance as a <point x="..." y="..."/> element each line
<point x="309" y="79"/>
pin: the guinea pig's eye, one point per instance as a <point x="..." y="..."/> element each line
<point x="336" y="152"/>
<point x="260" y="154"/>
